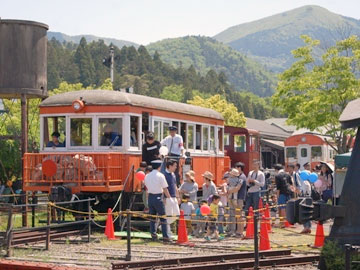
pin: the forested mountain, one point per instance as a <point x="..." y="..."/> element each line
<point x="146" y="73"/>
<point x="89" y="38"/>
<point x="271" y="39"/>
<point x="205" y="53"/>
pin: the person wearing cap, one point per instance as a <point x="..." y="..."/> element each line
<point x="241" y="191"/>
<point x="157" y="186"/>
<point x="255" y="181"/>
<point x="208" y="188"/>
<point x="150" y="149"/>
<point x="284" y="190"/>
<point x="55" y="140"/>
<point x="233" y="182"/>
<point x="307" y="166"/>
<point x="189" y="186"/>
<point x="172" y="202"/>
<point x="175" y="144"/>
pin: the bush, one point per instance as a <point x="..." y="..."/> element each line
<point x="334" y="256"/>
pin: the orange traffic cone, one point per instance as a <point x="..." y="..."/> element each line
<point x="109" y="228"/>
<point x="267" y="216"/>
<point x="264" y="236"/>
<point x="250" y="224"/>
<point x="261" y="206"/>
<point x="319" y="236"/>
<point x="182" y="231"/>
<point x="287" y="224"/>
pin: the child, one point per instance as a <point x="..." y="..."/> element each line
<point x="200" y="226"/>
<point x="212" y="219"/>
<point x="273" y="210"/>
<point x="142" y="166"/>
<point x="148" y="170"/>
<point x="188" y="209"/>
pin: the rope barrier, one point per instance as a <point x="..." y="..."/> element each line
<point x="177" y="217"/>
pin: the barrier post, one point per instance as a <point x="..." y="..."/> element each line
<point x="24" y="201"/>
<point x="256" y="242"/>
<point x="48" y="227"/>
<point x="9" y="233"/>
<point x="89" y="222"/>
<point x="128" y="235"/>
<point x="347" y="257"/>
<point x="33" y="201"/>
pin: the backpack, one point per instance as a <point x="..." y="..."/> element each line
<point x="315" y="195"/>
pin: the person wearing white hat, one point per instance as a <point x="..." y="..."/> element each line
<point x="175" y="144"/>
<point x="157" y="186"/>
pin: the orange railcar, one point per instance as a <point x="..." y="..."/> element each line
<point x="82" y="161"/>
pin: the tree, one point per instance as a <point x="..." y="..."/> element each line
<point x="85" y="63"/>
<point x="173" y="92"/>
<point x="313" y="93"/>
<point x="228" y="110"/>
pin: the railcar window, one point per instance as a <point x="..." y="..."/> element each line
<point x="316" y="151"/>
<point x="254" y="145"/>
<point x="205" y="138"/>
<point x="226" y="139"/>
<point x="304" y="152"/>
<point x="134" y="127"/>
<point x="198" y="137"/>
<point x="221" y="139"/>
<point x="212" y="138"/>
<point x="183" y="132"/>
<point x="190" y="137"/>
<point x="54" y="126"/>
<point x="81" y="132"/>
<point x="291" y="152"/>
<point x="165" y="130"/>
<point x="110" y="132"/>
<point x="239" y="143"/>
<point x="157" y="129"/>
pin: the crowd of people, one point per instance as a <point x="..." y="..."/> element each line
<point x="229" y="203"/>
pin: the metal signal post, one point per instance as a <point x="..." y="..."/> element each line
<point x="112" y="64"/>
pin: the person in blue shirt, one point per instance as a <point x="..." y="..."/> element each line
<point x="55" y="140"/>
<point x="110" y="138"/>
<point x="172" y="203"/>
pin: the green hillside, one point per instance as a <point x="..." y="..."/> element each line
<point x="205" y="53"/>
<point x="271" y="39"/>
<point x="89" y="38"/>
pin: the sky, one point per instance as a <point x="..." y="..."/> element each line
<point x="145" y="21"/>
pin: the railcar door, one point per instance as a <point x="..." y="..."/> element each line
<point x="304" y="154"/>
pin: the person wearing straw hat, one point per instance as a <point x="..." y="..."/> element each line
<point x="208" y="188"/>
<point x="189" y="186"/>
<point x="326" y="179"/>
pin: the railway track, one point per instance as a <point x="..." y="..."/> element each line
<point x="28" y="236"/>
<point x="244" y="260"/>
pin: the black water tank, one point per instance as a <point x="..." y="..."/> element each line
<point x="23" y="59"/>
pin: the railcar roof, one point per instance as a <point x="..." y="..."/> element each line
<point x="107" y="97"/>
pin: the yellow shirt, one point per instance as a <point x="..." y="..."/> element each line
<point x="214" y="208"/>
